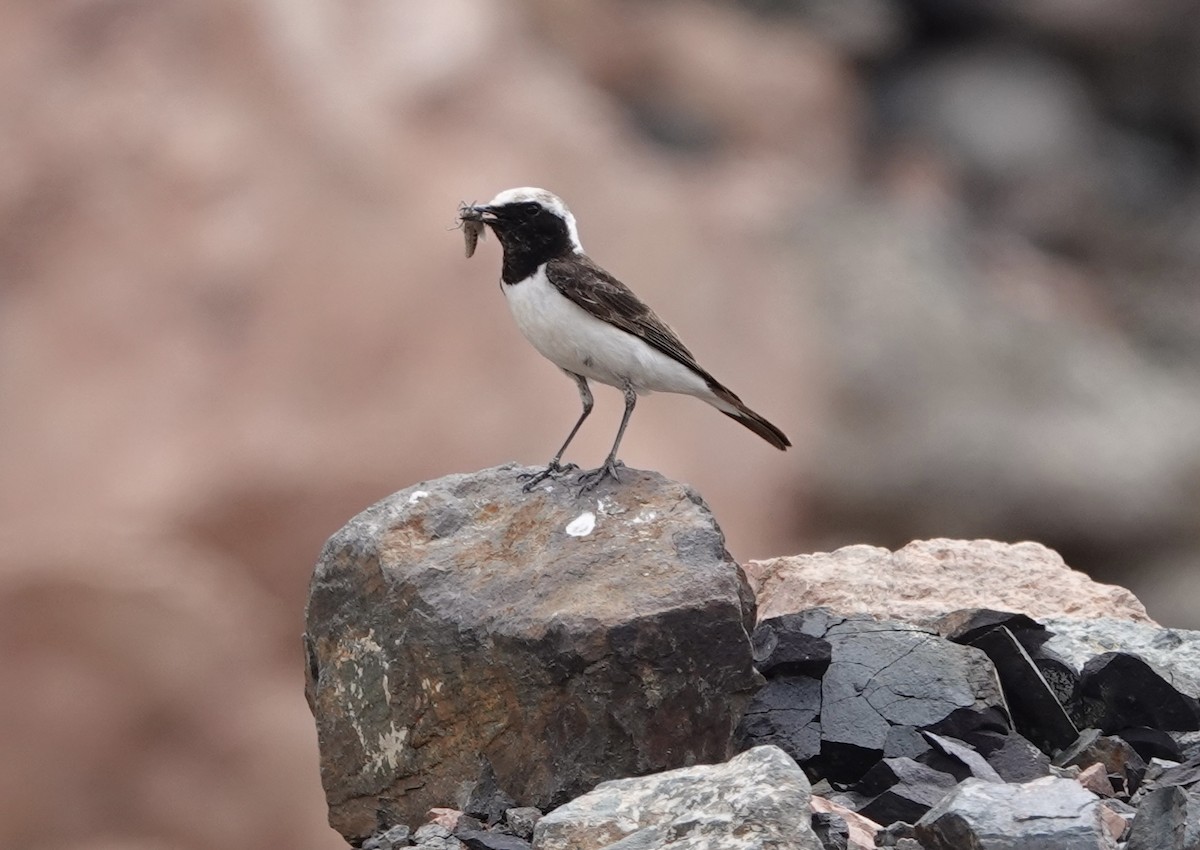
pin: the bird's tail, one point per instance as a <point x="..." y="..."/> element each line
<point x="733" y="407"/>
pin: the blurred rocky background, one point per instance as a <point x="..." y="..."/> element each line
<point x="951" y="248"/>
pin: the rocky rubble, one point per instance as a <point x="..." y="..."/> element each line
<point x="595" y="659"/>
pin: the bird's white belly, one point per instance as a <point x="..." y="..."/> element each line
<point x="573" y="339"/>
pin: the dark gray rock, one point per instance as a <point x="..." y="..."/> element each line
<point x="1168" y="818"/>
<point x="974" y="764"/>
<point x="434" y="836"/>
<point x="390" y="839"/>
<point x="785" y="712"/>
<point x="757" y="800"/>
<point x="482" y="839"/>
<point x="471" y="643"/>
<point x="1152" y="743"/>
<point x="902" y="790"/>
<point x="522" y="819"/>
<point x="1036" y="711"/>
<point x="487" y="800"/>
<point x="894" y="833"/>
<point x="1012" y="756"/>
<point x="1118" y="689"/>
<point x="792" y="645"/>
<point x="831" y="830"/>
<point x="1039" y="815"/>
<point x="883" y="675"/>
<point x="965" y="625"/>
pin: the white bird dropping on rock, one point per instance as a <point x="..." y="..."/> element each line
<point x="582" y="525"/>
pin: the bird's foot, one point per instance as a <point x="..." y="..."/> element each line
<point x="589" y="480"/>
<point x="532" y="479"/>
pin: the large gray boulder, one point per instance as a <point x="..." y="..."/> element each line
<point x="1046" y="813"/>
<point x="759" y="800"/>
<point x="466" y="639"/>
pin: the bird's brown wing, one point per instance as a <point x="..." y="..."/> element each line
<point x="603" y="296"/>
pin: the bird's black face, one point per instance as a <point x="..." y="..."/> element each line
<point x="529" y="232"/>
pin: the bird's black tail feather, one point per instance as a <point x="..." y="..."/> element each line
<point x="744" y="415"/>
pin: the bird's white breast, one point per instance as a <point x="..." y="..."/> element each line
<point x="573" y="339"/>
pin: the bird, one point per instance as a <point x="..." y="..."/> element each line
<point x="588" y="323"/>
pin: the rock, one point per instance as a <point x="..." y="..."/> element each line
<point x="487" y="800"/>
<point x="464" y="645"/>
<point x="1095" y="779"/>
<point x="792" y="645"/>
<point x="522" y="819"/>
<point x="1151" y="743"/>
<point x="1013" y="757"/>
<point x="1036" y="711"/>
<point x="1124" y="766"/>
<point x="861" y="830"/>
<point x="785" y="712"/>
<point x="1037" y="815"/>
<point x="973" y="763"/>
<point x="1173" y="653"/>
<point x="755" y="801"/>
<point x="479" y="839"/>
<point x="831" y="830"/>
<point x="965" y="625"/>
<point x="928" y="579"/>
<point x="888" y="675"/>
<point x="1118" y="817"/>
<point x="434" y="836"/>
<point x="902" y="790"/>
<point x="453" y="819"/>
<point x="1118" y="689"/>
<point x="389" y="839"/>
<point x="1167" y="818"/>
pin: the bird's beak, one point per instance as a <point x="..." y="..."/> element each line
<point x="478" y="212"/>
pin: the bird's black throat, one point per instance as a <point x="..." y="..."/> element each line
<point x="530" y="235"/>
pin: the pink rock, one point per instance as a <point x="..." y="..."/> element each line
<point x="929" y="578"/>
<point x="862" y="830"/>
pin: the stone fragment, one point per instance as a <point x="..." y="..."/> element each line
<point x="464" y="648"/>
<point x="964" y="625"/>
<point x="434" y="836"/>
<point x="522" y="819"/>
<point x="861" y="830"/>
<point x="792" y="645"/>
<point x="1095" y="779"/>
<point x="482" y="839"/>
<point x="974" y="764"/>
<point x="1118" y="817"/>
<point x="452" y="819"/>
<point x="1036" y="711"/>
<point x="1038" y="815"/>
<point x="1124" y="766"/>
<point x="895" y="833"/>
<point x="831" y="830"/>
<point x="390" y="839"/>
<point x="1012" y="756"/>
<point x="755" y="801"/>
<point x="1118" y="689"/>
<point x="1151" y="743"/>
<point x="785" y="712"/>
<point x="1168" y="818"/>
<point x="928" y="579"/>
<point x="902" y="790"/>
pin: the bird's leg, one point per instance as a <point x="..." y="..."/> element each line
<point x="556" y="467"/>
<point x="608" y="469"/>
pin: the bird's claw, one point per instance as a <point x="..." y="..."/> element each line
<point x="589" y="480"/>
<point x="554" y="468"/>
